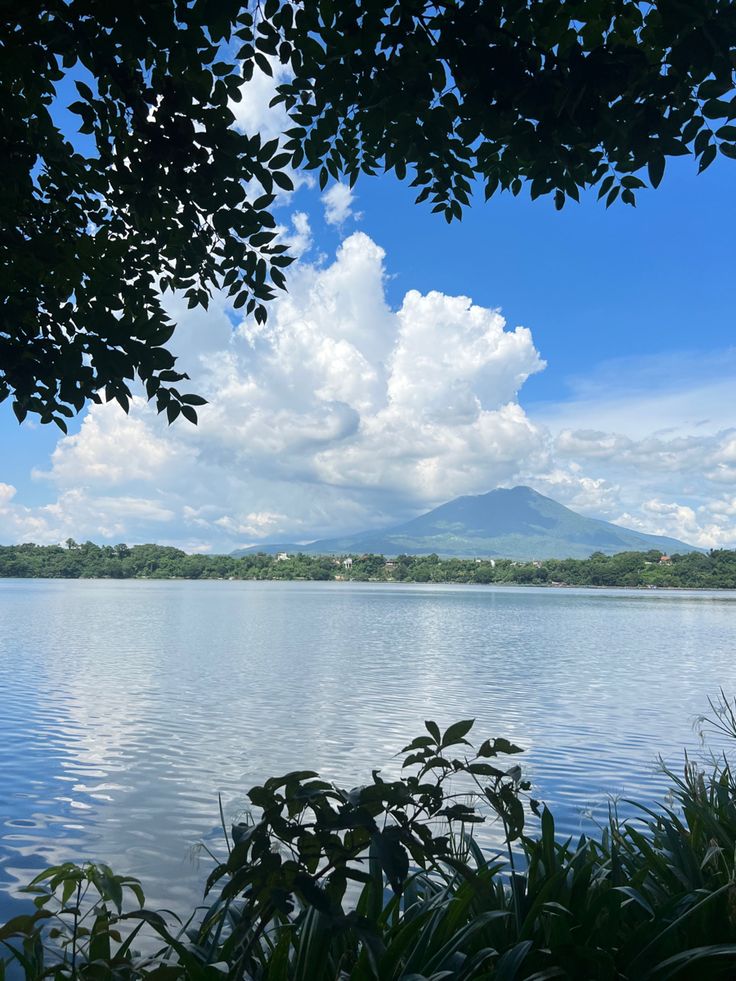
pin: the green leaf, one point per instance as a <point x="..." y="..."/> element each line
<point x="714" y="88"/>
<point x="421" y="742"/>
<point x="717" y="109"/>
<point x="85" y="91"/>
<point x="283" y="180"/>
<point x="263" y="63"/>
<point x="434" y="730"/>
<point x="510" y="962"/>
<point x="22" y="925"/>
<point x="709" y="155"/>
<point x="312" y="893"/>
<point x="392" y="857"/>
<point x="606" y="185"/>
<point x="656" y="169"/>
<point x="484" y="770"/>
<point x="500" y="746"/>
<point x="672" y="966"/>
<point x="455" y="733"/>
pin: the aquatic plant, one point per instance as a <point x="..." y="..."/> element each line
<point x="387" y="881"/>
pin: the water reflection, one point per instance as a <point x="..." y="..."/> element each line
<point x="127" y="707"/>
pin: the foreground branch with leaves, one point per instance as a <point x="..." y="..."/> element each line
<point x="386" y="881"/>
<point x="159" y="190"/>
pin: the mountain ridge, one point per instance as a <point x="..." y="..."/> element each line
<point x="514" y="523"/>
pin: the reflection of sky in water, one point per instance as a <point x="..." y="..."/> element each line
<point x="127" y="707"/>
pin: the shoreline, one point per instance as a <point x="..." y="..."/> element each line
<point x="624" y="570"/>
<point x="378" y="582"/>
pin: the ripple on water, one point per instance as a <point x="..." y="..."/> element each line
<point x="127" y="707"/>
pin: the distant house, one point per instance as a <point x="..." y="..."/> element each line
<point x="282" y="556"/>
<point x="665" y="560"/>
<point x="347" y="563"/>
<point x="390" y="566"/>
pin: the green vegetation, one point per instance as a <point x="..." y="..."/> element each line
<point x="386" y="882"/>
<point x="694" y="570"/>
<point x="160" y="191"/>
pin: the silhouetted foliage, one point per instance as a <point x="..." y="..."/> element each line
<point x="152" y="197"/>
<point x="157" y="192"/>
<point x="385" y="881"/>
<point x="564" y="96"/>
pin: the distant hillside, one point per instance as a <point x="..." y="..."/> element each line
<point x="515" y="524"/>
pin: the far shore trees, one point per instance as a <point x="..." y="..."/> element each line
<point x="694" y="570"/>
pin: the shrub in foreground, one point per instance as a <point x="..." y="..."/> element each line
<point x="387" y="881"/>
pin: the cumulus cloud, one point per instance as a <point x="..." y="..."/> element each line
<point x="595" y="496"/>
<point x="343" y="413"/>
<point x="338" y="203"/>
<point x="300" y="237"/>
<point x="694" y="525"/>
<point x="7" y="493"/>
<point x="255" y="114"/>
<point x="652" y="447"/>
<point x="141" y="454"/>
<point x="19" y="523"/>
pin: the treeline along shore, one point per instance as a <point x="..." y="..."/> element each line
<point x="695" y="570"/>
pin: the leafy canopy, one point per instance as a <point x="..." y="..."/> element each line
<point x="157" y="193"/>
<point x="563" y="95"/>
<point x="92" y="237"/>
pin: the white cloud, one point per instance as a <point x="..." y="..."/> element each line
<point x="300" y="238"/>
<point x="344" y="414"/>
<point x="17" y="522"/>
<point x="112" y="450"/>
<point x="257" y="524"/>
<point x="81" y="514"/>
<point x="594" y="496"/>
<point x="7" y="493"/>
<point x="658" y="439"/>
<point x="254" y="113"/>
<point x="338" y="203"/>
<point x="683" y="394"/>
<point x="680" y="521"/>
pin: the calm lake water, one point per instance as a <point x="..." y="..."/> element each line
<point x="126" y="707"/>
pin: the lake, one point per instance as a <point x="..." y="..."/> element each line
<point x="126" y="707"/>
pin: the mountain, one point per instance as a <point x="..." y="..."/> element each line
<point x="515" y="524"/>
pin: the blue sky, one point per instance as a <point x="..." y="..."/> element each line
<point x="593" y="283"/>
<point x="375" y="393"/>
